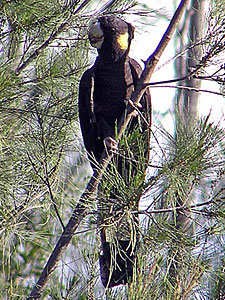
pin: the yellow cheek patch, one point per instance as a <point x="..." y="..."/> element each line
<point x="122" y="41"/>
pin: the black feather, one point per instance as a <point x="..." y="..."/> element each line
<point x="102" y="92"/>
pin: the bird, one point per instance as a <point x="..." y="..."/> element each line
<point x="105" y="90"/>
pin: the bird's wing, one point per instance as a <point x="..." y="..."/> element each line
<point x="137" y="68"/>
<point x="86" y="108"/>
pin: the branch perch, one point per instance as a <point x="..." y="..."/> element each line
<point x="83" y="204"/>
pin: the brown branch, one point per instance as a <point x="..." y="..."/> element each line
<point x="78" y="214"/>
<point x="181" y="87"/>
<point x="176" y="208"/>
<point x="40" y="49"/>
<point x="83" y="204"/>
<point x="153" y="59"/>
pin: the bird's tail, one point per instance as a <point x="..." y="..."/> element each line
<point x="117" y="263"/>
<point x="118" y="232"/>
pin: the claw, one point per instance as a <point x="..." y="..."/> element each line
<point x="134" y="113"/>
<point x="110" y="143"/>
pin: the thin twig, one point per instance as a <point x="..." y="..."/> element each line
<point x="188" y="88"/>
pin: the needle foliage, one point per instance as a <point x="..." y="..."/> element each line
<point x="175" y="209"/>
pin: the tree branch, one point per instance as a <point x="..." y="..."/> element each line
<point x="51" y="38"/>
<point x="83" y="204"/>
<point x="153" y="59"/>
<point x="189" y="88"/>
<point x="40" y="49"/>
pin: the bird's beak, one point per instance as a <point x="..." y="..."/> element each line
<point x="96" y="35"/>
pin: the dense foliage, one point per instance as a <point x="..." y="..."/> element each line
<point x="43" y="168"/>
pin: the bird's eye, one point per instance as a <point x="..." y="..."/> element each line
<point x="113" y="29"/>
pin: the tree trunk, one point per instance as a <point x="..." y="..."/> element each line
<point x="189" y="33"/>
<point x="186" y="111"/>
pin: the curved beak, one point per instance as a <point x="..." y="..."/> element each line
<point x="96" y="35"/>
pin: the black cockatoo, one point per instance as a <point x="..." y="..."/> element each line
<point x="105" y="89"/>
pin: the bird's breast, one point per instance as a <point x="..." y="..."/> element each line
<point x="112" y="87"/>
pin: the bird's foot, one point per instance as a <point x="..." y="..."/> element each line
<point x="111" y="144"/>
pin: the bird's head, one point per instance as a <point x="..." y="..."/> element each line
<point x="112" y="37"/>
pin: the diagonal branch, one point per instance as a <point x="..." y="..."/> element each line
<point x="83" y="204"/>
<point x="153" y="59"/>
<point x="51" y="38"/>
<point x="20" y="68"/>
